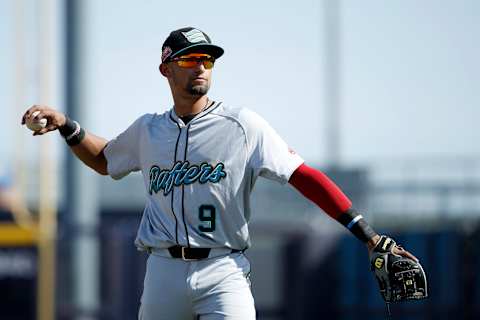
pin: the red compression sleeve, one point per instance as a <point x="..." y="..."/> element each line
<point x="317" y="187"/>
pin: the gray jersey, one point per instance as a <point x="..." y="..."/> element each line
<point x="199" y="176"/>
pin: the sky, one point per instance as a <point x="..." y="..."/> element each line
<point x="409" y="71"/>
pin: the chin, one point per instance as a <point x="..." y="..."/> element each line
<point x="199" y="90"/>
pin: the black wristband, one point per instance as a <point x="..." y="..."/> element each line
<point x="72" y="132"/>
<point x="68" y="128"/>
<point x="76" y="139"/>
<point x="354" y="222"/>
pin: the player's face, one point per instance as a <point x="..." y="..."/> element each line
<point x="191" y="74"/>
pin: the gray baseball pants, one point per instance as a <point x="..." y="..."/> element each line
<point x="209" y="289"/>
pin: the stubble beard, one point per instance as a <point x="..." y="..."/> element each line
<point x="198" y="90"/>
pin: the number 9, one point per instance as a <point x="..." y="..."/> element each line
<point x="206" y="214"/>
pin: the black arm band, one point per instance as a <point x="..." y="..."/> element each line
<point x="354" y="222"/>
<point x="76" y="139"/>
<point x="68" y="128"/>
<point x="72" y="132"/>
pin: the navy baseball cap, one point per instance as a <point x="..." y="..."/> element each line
<point x="188" y="40"/>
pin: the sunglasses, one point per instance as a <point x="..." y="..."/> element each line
<point x="192" y="60"/>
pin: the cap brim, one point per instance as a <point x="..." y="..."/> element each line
<point x="211" y="49"/>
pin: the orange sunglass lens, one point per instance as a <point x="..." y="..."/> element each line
<point x="191" y="60"/>
<point x="208" y="64"/>
<point x="187" y="63"/>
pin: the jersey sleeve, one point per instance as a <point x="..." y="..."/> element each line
<point x="122" y="153"/>
<point x="269" y="155"/>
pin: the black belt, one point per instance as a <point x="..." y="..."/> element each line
<point x="185" y="253"/>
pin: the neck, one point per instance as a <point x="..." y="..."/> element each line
<point x="191" y="105"/>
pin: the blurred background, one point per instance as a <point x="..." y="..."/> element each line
<point x="382" y="96"/>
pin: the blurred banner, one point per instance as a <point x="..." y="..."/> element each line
<point x="18" y="272"/>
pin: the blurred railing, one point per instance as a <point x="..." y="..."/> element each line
<point x="427" y="198"/>
<point x="429" y="187"/>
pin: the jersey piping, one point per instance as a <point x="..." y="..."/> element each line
<point x="173" y="189"/>
<point x="183" y="190"/>
<point x="173" y="116"/>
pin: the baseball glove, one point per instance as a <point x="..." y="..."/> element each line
<point x="399" y="278"/>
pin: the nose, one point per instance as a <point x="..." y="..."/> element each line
<point x="199" y="67"/>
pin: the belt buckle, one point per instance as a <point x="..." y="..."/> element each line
<point x="183" y="255"/>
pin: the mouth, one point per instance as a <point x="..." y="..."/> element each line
<point x="199" y="79"/>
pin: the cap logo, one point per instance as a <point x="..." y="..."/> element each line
<point x="194" y="36"/>
<point x="167" y="51"/>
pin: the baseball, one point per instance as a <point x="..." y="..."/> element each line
<point x="36" y="124"/>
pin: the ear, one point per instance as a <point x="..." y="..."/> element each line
<point x="164" y="70"/>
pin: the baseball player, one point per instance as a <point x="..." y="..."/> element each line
<point x="199" y="161"/>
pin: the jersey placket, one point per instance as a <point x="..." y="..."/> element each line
<point x="181" y="154"/>
<point x="178" y="198"/>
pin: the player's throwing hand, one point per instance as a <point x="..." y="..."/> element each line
<point x="55" y="119"/>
